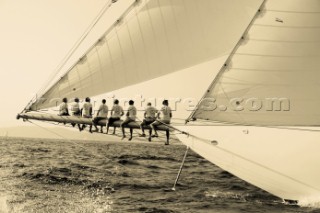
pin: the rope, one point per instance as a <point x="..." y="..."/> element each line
<point x="171" y="127"/>
<point x="78" y="42"/>
<point x="301" y="12"/>
<point x="180" y="170"/>
<point x="73" y="49"/>
<point x="222" y="123"/>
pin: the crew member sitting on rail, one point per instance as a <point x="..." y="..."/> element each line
<point x="63" y="108"/>
<point x="149" y="117"/>
<point x="165" y="118"/>
<point x="102" y="113"/>
<point x="75" y="111"/>
<point x="87" y="112"/>
<point x="131" y="116"/>
<point x="116" y="113"/>
<point x="75" y="108"/>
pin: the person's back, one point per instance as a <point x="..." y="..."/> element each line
<point x="103" y="111"/>
<point x="87" y="110"/>
<point x="75" y="111"/>
<point x="132" y="112"/>
<point x="101" y="114"/>
<point x="150" y="112"/>
<point x="75" y="107"/>
<point x="131" y="116"/>
<point x="166" y="113"/>
<point x="63" y="108"/>
<point x="149" y="117"/>
<point x="117" y="111"/>
<point x="165" y="118"/>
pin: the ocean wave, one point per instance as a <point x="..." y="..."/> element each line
<point x="145" y="157"/>
<point x="155" y="210"/>
<point x="53" y="179"/>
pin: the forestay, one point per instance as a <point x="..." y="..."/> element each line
<point x="273" y="75"/>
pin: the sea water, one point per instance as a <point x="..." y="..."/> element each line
<point x="42" y="175"/>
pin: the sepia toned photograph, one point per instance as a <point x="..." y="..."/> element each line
<point x="160" y="106"/>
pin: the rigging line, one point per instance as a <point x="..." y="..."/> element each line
<point x="237" y="81"/>
<point x="267" y="84"/>
<point x="224" y="123"/>
<point x="276" y="56"/>
<point x="223" y="68"/>
<point x="273" y="70"/>
<point x="286" y="11"/>
<point x="171" y="127"/>
<point x="69" y="54"/>
<point x="284" y="26"/>
<point x="180" y="170"/>
<point x="77" y="44"/>
<point x="282" y="41"/>
<point x="89" y="49"/>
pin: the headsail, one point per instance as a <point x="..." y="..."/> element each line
<point x="152" y="39"/>
<point x="273" y="77"/>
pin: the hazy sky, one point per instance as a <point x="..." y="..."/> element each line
<point x="35" y="36"/>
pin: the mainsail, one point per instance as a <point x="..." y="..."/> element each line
<point x="272" y="77"/>
<point x="153" y="38"/>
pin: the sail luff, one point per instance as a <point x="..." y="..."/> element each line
<point x="225" y="65"/>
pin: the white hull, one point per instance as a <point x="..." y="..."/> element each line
<point x="283" y="162"/>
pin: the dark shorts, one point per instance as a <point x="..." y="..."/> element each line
<point x="97" y="119"/>
<point x="76" y="113"/>
<point x="126" y="121"/>
<point x="147" y="121"/>
<point x="157" y="123"/>
<point x="87" y="116"/>
<point x="112" y="120"/>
